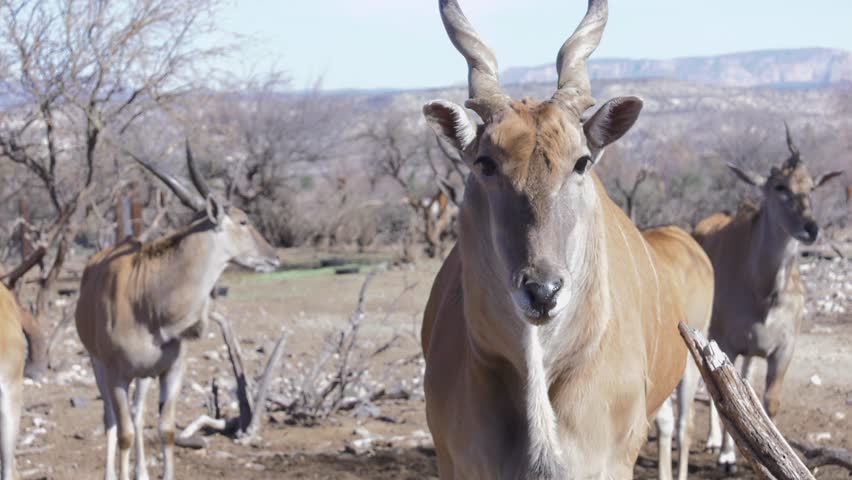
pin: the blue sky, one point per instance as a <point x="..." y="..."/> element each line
<point x="402" y="44"/>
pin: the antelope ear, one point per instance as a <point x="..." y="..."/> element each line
<point x="611" y="122"/>
<point x="450" y="123"/>
<point x="747" y="176"/>
<point x="215" y="210"/>
<point x="825" y="177"/>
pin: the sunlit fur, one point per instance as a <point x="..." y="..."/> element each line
<point x="12" y="356"/>
<point x="137" y="304"/>
<point x="571" y="395"/>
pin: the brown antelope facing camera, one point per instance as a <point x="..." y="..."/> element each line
<point x="550" y="335"/>
<point x="139" y="302"/>
<point x="759" y="294"/>
<point x="13" y="353"/>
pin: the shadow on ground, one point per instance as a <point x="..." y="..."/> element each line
<point x="412" y="464"/>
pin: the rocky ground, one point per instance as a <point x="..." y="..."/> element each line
<point x="381" y="431"/>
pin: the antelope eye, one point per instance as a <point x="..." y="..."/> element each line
<point x="487" y="165"/>
<point x="243" y="222"/>
<point x="582" y="164"/>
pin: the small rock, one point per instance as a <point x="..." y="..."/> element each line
<point x="816" y="437"/>
<point x="815" y="380"/>
<point x="387" y="419"/>
<point x="839" y="416"/>
<point x="367" y="410"/>
<point x="80" y="402"/>
<point x="361" y="446"/>
<point x="81" y="436"/>
<point x="212" y="355"/>
<point x="26" y="440"/>
<point x="361" y="432"/>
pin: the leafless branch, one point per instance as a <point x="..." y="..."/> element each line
<point x="742" y="412"/>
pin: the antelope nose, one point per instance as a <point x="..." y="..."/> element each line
<point x="542" y="294"/>
<point x="812" y="230"/>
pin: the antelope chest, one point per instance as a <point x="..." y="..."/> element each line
<point x="778" y="325"/>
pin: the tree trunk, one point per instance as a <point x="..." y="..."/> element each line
<point x="23" y="232"/>
<point x="36" y="364"/>
<point x="137" y="223"/>
<point x="122" y="217"/>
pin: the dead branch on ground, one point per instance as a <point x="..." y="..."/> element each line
<point x="59" y="331"/>
<point x="235" y="354"/>
<point x="253" y="429"/>
<point x="312" y="400"/>
<point x="247" y="425"/>
<point x="821" y="456"/>
<point x="339" y="377"/>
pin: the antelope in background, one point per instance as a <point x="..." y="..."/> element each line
<point x="550" y="335"/>
<point x="757" y="310"/>
<point x="13" y="351"/>
<point x="138" y="302"/>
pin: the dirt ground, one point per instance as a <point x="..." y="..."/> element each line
<point x="61" y="436"/>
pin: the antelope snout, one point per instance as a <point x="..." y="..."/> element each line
<point x="811" y="231"/>
<point x="542" y="295"/>
<point x="537" y="293"/>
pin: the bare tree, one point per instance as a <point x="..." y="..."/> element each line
<point x="429" y="176"/>
<point x="628" y="193"/>
<point x="79" y="74"/>
<point x="263" y="145"/>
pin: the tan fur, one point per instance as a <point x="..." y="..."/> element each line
<point x="550" y="335"/>
<point x="684" y="263"/>
<point x="36" y="364"/>
<point x="711" y="224"/>
<point x="12" y="357"/>
<point x="604" y="398"/>
<point x="759" y="299"/>
<point x="139" y="302"/>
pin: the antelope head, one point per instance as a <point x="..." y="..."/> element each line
<point x="787" y="193"/>
<point x="231" y="227"/>
<point x="531" y="197"/>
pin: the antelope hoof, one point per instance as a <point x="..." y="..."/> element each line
<point x="730" y="468"/>
<point x="714" y="446"/>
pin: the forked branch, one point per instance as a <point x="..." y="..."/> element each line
<point x="247" y="426"/>
<point x="742" y="413"/>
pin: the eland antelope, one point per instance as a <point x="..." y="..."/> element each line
<point x="13" y="351"/>
<point x="138" y="302"/>
<point x="757" y="310"/>
<point x="550" y="335"/>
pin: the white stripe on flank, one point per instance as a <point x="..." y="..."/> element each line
<point x="656" y="279"/>
<point x="632" y="258"/>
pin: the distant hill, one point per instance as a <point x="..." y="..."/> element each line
<point x="799" y="68"/>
